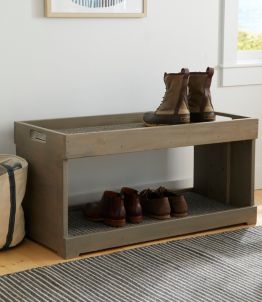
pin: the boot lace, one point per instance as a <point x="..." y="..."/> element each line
<point x="165" y="97"/>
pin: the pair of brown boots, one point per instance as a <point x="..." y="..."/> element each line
<point x="187" y="99"/>
<point x="115" y="209"/>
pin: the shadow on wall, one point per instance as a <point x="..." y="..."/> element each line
<point x="96" y="174"/>
<point x="114" y="171"/>
<point x="7" y="139"/>
<point x="38" y="8"/>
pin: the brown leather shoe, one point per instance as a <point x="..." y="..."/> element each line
<point x="93" y="211"/>
<point x="110" y="209"/>
<point x="155" y="205"/>
<point x="132" y="205"/>
<point x="114" y="212"/>
<point x="178" y="204"/>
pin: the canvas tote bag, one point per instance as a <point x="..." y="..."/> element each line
<point x="13" y="177"/>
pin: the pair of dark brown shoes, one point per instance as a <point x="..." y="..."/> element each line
<point x="116" y="208"/>
<point x="162" y="203"/>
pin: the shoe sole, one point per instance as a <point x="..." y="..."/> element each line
<point x="117" y="223"/>
<point x="160" y="217"/>
<point x="135" y="219"/>
<point x="179" y="215"/>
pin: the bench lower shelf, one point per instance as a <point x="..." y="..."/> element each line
<point x="204" y="214"/>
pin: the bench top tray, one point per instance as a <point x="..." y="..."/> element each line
<point x="123" y="133"/>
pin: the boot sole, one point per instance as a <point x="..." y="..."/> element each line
<point x="115" y="223"/>
<point x="135" y="219"/>
<point x="168" y="120"/>
<point x="155" y="125"/>
<point x="201" y="117"/>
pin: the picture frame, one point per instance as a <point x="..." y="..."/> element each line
<point x="95" y="8"/>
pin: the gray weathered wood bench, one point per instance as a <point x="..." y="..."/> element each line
<point x="222" y="195"/>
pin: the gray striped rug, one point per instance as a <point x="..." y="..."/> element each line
<point x="223" y="267"/>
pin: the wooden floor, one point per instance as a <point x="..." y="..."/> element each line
<point x="30" y="254"/>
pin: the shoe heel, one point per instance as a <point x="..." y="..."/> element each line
<point x="179" y="215"/>
<point x="184" y="119"/>
<point x="115" y="223"/>
<point x="160" y="217"/>
<point x="208" y="116"/>
<point x="135" y="219"/>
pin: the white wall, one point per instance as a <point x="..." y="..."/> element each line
<point x="72" y="67"/>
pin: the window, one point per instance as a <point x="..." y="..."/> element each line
<point x="249" y="30"/>
<point x="241" y="59"/>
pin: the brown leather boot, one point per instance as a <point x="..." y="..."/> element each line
<point x="199" y="97"/>
<point x="173" y="109"/>
<point x="155" y="205"/>
<point x="178" y="204"/>
<point x="132" y="205"/>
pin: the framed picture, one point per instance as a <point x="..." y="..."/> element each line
<point x="95" y="8"/>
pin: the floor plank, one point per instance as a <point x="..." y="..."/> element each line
<point x="31" y="255"/>
<point x="258" y="197"/>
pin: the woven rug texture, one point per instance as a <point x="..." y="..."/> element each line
<point x="222" y="267"/>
